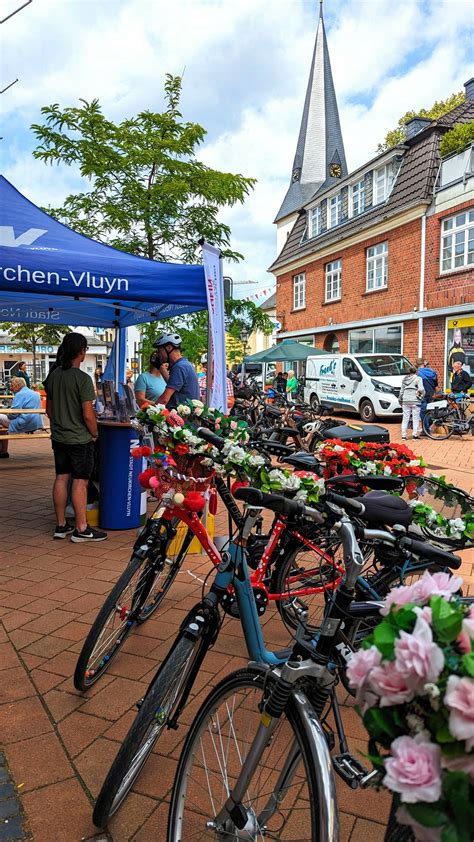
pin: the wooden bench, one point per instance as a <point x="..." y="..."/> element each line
<point x="40" y="434"/>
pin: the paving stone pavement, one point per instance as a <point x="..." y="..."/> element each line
<point x="59" y="743"/>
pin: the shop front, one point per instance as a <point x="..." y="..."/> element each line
<point x="459" y="345"/>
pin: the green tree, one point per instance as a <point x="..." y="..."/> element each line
<point x="27" y="337"/>
<point x="437" y="110"/>
<point x="193" y="328"/>
<point x="149" y="194"/>
<point x="457" y="139"/>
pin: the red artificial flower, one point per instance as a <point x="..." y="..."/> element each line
<point x="238" y="484"/>
<point x="146" y="451"/>
<point x="194" y="501"/>
<point x="181" y="449"/>
<point x="145" y="476"/>
<point x="137" y="452"/>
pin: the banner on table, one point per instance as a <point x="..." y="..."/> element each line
<point x="215" y="303"/>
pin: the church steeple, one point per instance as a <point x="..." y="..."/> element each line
<point x="320" y="158"/>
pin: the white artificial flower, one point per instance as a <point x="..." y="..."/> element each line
<point x="414" y="463"/>
<point x="431" y="516"/>
<point x="197" y="403"/>
<point x="291" y="483"/>
<point x="198" y="410"/>
<point x="371" y="466"/>
<point x="338" y="448"/>
<point x="256" y="461"/>
<point x="236" y="453"/>
<point x="387" y="470"/>
<point x="183" y="409"/>
<point x="301" y="496"/>
<point x="276" y="476"/>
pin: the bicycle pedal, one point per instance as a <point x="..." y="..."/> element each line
<point x="351" y="771"/>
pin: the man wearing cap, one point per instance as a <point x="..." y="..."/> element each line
<point x="183" y="382"/>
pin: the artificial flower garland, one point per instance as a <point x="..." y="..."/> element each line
<point x="414" y="679"/>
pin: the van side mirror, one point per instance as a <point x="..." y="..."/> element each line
<point x="354" y="375"/>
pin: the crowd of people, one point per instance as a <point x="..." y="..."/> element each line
<point x="419" y="387"/>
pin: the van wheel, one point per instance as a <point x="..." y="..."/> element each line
<point x="314" y="403"/>
<point x="366" y="411"/>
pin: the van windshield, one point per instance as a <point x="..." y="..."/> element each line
<point x="387" y="365"/>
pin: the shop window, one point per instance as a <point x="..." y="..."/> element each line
<point x="386" y="339"/>
<point x="457" y="241"/>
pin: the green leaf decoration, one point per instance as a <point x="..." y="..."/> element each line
<point x="429" y="815"/>
<point x="467" y="662"/>
<point x="385" y="636"/>
<point x="447" y="619"/>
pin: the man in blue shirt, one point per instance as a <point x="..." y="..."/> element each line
<point x="430" y="384"/>
<point x="183" y="382"/>
<point x="25" y="398"/>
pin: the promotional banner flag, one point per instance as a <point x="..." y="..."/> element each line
<point x="215" y="302"/>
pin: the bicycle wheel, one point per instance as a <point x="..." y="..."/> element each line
<point x="282" y="797"/>
<point x="136" y="595"/>
<point x="150" y="722"/>
<point x="439" y="429"/>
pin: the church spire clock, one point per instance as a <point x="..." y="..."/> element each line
<point x="320" y="158"/>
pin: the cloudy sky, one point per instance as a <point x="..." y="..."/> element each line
<point x="245" y="64"/>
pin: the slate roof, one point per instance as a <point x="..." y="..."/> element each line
<point x="320" y="137"/>
<point x="414" y="184"/>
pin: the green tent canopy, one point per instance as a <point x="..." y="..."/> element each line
<point x="287" y="351"/>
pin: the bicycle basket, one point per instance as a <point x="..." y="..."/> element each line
<point x="187" y="474"/>
<point x="448" y="504"/>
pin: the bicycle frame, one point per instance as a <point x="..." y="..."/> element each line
<point x="257" y="578"/>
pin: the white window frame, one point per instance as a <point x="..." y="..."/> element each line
<point x="452" y="231"/>
<point x="383" y="179"/>
<point x="335" y="203"/>
<point x="315" y="221"/>
<point x="333" y="280"/>
<point x="358" y="197"/>
<point x="299" y="291"/>
<point x="377" y="259"/>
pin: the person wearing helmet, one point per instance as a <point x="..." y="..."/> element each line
<point x="182" y="382"/>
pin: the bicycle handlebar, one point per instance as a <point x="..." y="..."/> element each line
<point x="210" y="437"/>
<point x="419" y="548"/>
<point x="354" y="507"/>
<point x="276" y="503"/>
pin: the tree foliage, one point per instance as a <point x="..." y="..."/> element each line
<point x="149" y="194"/>
<point x="27" y="337"/>
<point x="438" y="109"/>
<point x="457" y="138"/>
<point x="193" y="328"/>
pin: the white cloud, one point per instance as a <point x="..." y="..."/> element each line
<point x="246" y="66"/>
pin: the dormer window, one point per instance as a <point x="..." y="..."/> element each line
<point x="335" y="210"/>
<point x="315" y="221"/>
<point x="358" y="197"/>
<point x="383" y="182"/>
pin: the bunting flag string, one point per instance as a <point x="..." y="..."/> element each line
<point x="262" y="293"/>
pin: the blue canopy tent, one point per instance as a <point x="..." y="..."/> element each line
<point x="51" y="274"/>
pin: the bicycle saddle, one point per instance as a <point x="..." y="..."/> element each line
<point x="303" y="461"/>
<point x="385" y="509"/>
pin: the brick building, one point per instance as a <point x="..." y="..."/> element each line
<point x="380" y="259"/>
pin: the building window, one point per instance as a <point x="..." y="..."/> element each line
<point x="383" y="183"/>
<point x="457" y="241"/>
<point x="335" y="210"/>
<point x="333" y="280"/>
<point x="299" y="291"/>
<point x="377" y="266"/>
<point x="386" y="339"/>
<point x="315" y="222"/>
<point x="358" y="197"/>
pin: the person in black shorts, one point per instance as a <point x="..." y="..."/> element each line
<point x="69" y="404"/>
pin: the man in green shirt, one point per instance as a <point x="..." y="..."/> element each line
<point x="70" y="396"/>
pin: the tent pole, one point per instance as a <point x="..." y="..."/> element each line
<point x="117" y="357"/>
<point x="210" y="364"/>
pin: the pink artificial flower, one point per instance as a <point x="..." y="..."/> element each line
<point x="360" y="665"/>
<point x="468" y="623"/>
<point x="464" y="641"/>
<point x="421" y="832"/>
<point x="233" y="425"/>
<point x="437" y="584"/>
<point x="425" y="612"/>
<point x="392" y="687"/>
<point x="459" y="698"/>
<point x="399" y="596"/>
<point x="464" y="763"/>
<point x="417" y="657"/>
<point x="414" y="769"/>
<point x="175" y="420"/>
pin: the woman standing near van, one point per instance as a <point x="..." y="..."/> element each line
<point x="411" y="396"/>
<point x="291" y="386"/>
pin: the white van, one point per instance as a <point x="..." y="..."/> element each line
<point x="365" y="383"/>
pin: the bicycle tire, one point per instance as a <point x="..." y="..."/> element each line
<point x="252" y="680"/>
<point x="138" y="744"/>
<point x="87" y="672"/>
<point x="428" y="422"/>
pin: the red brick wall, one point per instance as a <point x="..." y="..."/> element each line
<point x="451" y="288"/>
<point x="401" y="295"/>
<point x="434" y="340"/>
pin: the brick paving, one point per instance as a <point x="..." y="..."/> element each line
<point x="59" y="743"/>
